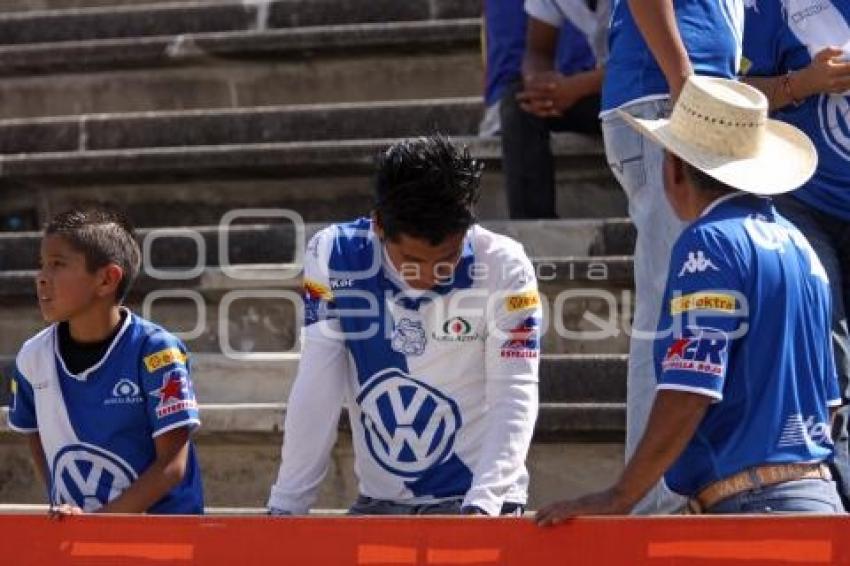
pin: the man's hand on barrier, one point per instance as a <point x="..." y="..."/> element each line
<point x="59" y="512"/>
<point x="601" y="503"/>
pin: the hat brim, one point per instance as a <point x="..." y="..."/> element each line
<point x="785" y="161"/>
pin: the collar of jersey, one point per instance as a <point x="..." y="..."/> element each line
<point x="462" y="280"/>
<point x="82" y="376"/>
<point x="726" y="198"/>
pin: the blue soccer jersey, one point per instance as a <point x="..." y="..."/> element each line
<point x="711" y="31"/>
<point x="782" y="36"/>
<point x="441" y="386"/>
<point x="746" y="321"/>
<point x="97" y="428"/>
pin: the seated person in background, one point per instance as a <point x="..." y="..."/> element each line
<point x="505" y="24"/>
<point x="426" y="326"/>
<point x="547" y="100"/>
<point x="103" y="395"/>
<point x="741" y="419"/>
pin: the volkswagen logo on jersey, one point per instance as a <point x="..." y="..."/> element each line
<point x="175" y="394"/>
<point x="700" y="350"/>
<point x="410" y="426"/>
<point x="88" y="477"/>
<point x="409" y="337"/>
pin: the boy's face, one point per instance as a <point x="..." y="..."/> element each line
<point x="422" y="265"/>
<point x="64" y="285"/>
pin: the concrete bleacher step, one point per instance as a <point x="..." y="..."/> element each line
<point x="324" y="180"/>
<point x="267" y="45"/>
<point x="142" y="19"/>
<point x="233" y="54"/>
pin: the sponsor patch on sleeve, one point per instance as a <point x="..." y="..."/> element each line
<point x="522" y="301"/>
<point x="313" y="290"/>
<point x="703" y="302"/>
<point x="164" y="358"/>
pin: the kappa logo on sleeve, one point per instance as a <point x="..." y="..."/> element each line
<point x="703" y="301"/>
<point x="522" y="301"/>
<point x="697" y="263"/>
<point x="164" y="358"/>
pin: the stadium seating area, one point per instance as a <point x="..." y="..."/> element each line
<point x="182" y="112"/>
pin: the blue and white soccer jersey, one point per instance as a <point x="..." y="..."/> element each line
<point x="746" y="322"/>
<point x="97" y="428"/>
<point x="782" y="36"/>
<point x="711" y="31"/>
<point x="441" y="387"/>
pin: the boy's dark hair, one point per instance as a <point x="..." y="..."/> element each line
<point x="426" y="188"/>
<point x="103" y="236"/>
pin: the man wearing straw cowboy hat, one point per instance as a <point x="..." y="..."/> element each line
<point x="740" y="422"/>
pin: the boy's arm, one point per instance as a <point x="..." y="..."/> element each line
<point x="166" y="472"/>
<point x="656" y="20"/>
<point x="39" y="459"/>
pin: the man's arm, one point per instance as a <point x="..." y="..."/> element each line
<point x="310" y="427"/>
<point x="827" y="74"/>
<point x="672" y="423"/>
<point x="511" y="364"/>
<point x="656" y="20"/>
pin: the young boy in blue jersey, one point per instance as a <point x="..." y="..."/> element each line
<point x="104" y="396"/>
<point x="746" y="376"/>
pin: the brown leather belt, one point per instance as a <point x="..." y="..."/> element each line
<point x="754" y="478"/>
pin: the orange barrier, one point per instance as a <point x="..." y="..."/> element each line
<point x="234" y="541"/>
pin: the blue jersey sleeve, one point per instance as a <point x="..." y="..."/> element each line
<point x="762" y="40"/>
<point x="22" y="412"/>
<point x="705" y="309"/>
<point x="167" y="382"/>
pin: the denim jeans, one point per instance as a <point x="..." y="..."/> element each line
<point x="637" y="163"/>
<point x="528" y="163"/>
<point x="830" y="238"/>
<point x="801" y="496"/>
<point x="370" y="506"/>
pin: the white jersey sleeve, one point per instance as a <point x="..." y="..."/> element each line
<point x="317" y="396"/>
<point x="512" y="357"/>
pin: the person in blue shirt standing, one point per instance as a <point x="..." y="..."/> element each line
<point x="798" y="56"/>
<point x="654" y="46"/>
<point x="104" y="396"/>
<point x="746" y="376"/>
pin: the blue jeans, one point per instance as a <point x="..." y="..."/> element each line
<point x="637" y="163"/>
<point x="830" y="238"/>
<point x="801" y="496"/>
<point x="371" y="506"/>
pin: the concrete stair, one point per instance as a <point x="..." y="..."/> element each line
<point x="313" y="159"/>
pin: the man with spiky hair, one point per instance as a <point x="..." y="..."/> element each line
<point x="426" y="326"/>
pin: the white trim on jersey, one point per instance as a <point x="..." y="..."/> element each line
<point x="82" y="376"/>
<point x="181" y="424"/>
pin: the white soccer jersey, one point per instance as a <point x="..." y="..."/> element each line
<point x="441" y="387"/>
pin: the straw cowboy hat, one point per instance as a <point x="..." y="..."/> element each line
<point x="721" y="127"/>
